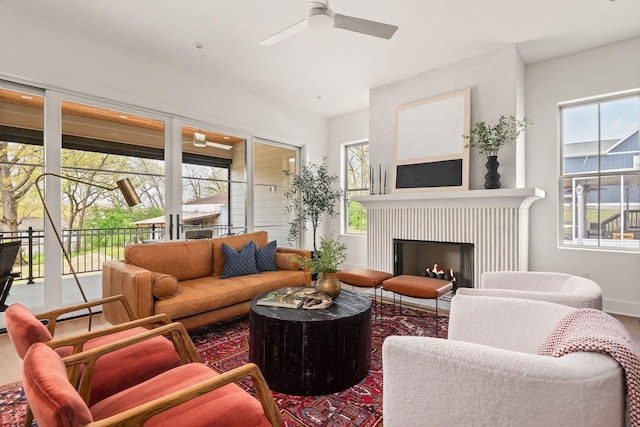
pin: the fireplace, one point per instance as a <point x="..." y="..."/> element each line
<point x="494" y="222"/>
<point x="415" y="256"/>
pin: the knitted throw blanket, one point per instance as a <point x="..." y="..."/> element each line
<point x="588" y="329"/>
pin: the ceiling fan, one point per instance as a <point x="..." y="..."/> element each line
<point x="321" y="17"/>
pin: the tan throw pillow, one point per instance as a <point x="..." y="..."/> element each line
<point x="285" y="261"/>
<point x="164" y="285"/>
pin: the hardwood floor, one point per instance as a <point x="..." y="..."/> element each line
<point x="10" y="363"/>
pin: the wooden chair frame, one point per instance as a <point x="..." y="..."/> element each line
<point x="52" y="317"/>
<point x="139" y="415"/>
<point x="77" y="341"/>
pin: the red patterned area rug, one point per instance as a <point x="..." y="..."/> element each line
<point x="225" y="346"/>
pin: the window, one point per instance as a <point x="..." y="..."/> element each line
<point x="600" y="178"/>
<point x="356" y="184"/>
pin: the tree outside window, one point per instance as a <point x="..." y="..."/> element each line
<point x="357" y="184"/>
<point x="600" y="180"/>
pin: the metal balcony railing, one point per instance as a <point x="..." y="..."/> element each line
<point x="89" y="248"/>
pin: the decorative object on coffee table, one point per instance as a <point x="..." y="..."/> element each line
<point x="312" y="194"/>
<point x="325" y="263"/>
<point x="312" y="352"/>
<point x="290" y="297"/>
<point x="488" y="139"/>
<point x="316" y="301"/>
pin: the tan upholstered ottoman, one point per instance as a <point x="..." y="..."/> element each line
<point x="418" y="287"/>
<point x="365" y="278"/>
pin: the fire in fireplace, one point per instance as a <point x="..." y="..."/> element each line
<point x="422" y="257"/>
<point x="438" y="273"/>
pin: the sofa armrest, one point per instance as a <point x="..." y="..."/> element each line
<point x="511" y="324"/>
<point x="135" y="283"/>
<point x="304" y="253"/>
<point x="523" y="280"/>
<point x="437" y="382"/>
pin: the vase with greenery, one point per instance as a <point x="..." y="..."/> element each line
<point x="488" y="139"/>
<point x="312" y="194"/>
<point x="325" y="263"/>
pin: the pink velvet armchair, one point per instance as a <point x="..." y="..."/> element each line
<point x="190" y="395"/>
<point x="131" y="365"/>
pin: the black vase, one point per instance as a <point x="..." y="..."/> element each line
<point x="492" y="178"/>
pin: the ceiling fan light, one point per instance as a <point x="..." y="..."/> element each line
<point x="320" y="18"/>
<point x="199" y="139"/>
<point x="218" y="145"/>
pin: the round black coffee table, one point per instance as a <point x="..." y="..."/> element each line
<point x="312" y="352"/>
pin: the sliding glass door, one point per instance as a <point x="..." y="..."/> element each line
<point x="270" y="160"/>
<point x="214" y="188"/>
<point x="21" y="219"/>
<point x="194" y="180"/>
<point x="102" y="144"/>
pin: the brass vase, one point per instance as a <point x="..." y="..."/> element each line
<point x="328" y="284"/>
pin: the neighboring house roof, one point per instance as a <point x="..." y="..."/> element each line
<point x="590" y="148"/>
<point x="186" y="217"/>
<point x="216" y="199"/>
<point x="628" y="142"/>
<point x="587" y="148"/>
<point x="205" y="207"/>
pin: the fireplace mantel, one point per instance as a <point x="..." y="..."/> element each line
<point x="496" y="222"/>
<point x="500" y="198"/>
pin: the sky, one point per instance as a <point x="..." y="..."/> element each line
<point x="617" y="118"/>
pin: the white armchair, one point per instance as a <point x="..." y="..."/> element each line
<point x="561" y="288"/>
<point x="488" y="372"/>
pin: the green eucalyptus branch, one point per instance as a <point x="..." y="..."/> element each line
<point x="488" y="139"/>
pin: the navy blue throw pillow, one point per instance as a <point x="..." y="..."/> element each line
<point x="266" y="257"/>
<point x="239" y="263"/>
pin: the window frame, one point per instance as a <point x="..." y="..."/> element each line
<point x="601" y="177"/>
<point x="347" y="190"/>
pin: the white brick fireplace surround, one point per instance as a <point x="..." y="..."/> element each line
<point x="496" y="222"/>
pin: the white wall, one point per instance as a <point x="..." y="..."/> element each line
<point x="498" y="88"/>
<point x="48" y="55"/>
<point x="348" y="128"/>
<point x="495" y="79"/>
<point x="607" y="69"/>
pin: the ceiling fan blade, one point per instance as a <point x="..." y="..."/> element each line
<point x="364" y="26"/>
<point x="287" y="32"/>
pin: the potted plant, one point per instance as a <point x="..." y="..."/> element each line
<point x="312" y="194"/>
<point x="325" y="263"/>
<point x="488" y="139"/>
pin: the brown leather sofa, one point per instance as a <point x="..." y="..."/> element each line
<point x="182" y="280"/>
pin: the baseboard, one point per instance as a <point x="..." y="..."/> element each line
<point x="625" y="308"/>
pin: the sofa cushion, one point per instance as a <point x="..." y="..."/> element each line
<point x="266" y="257"/>
<point x="211" y="293"/>
<point x="164" y="285"/>
<point x="239" y="263"/>
<point x="286" y="261"/>
<point x="236" y="242"/>
<point x="183" y="260"/>
<point x="229" y="405"/>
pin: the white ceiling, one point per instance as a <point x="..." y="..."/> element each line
<point x="331" y="72"/>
